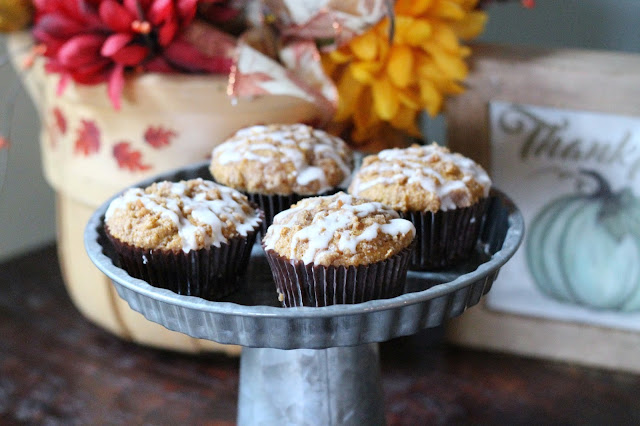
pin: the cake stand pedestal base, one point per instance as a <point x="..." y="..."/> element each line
<point x="283" y="380"/>
<point x="334" y="386"/>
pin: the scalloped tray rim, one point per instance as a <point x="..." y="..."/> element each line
<point x="512" y="240"/>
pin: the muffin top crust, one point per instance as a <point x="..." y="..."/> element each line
<point x="186" y="215"/>
<point x="339" y="229"/>
<point x="282" y="159"/>
<point x="421" y="178"/>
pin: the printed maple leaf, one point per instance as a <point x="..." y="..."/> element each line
<point x="128" y="158"/>
<point x="88" y="141"/>
<point x="158" y="136"/>
<point x="60" y="120"/>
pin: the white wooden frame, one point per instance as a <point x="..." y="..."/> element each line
<point x="597" y="81"/>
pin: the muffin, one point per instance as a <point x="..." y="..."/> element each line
<point x="193" y="237"/>
<point x="338" y="249"/>
<point x="444" y="194"/>
<point x="277" y="165"/>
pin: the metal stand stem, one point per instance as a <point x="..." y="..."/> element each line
<point x="334" y="386"/>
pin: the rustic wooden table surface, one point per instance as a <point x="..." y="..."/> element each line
<point x="57" y="368"/>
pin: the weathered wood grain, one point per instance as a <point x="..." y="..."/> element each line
<point x="57" y="368"/>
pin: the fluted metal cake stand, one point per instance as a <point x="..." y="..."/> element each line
<point x="313" y="366"/>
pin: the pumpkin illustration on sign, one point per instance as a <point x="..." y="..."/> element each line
<point x="585" y="248"/>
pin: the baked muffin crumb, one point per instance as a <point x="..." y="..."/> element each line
<point x="338" y="230"/>
<point x="282" y="159"/>
<point x="180" y="216"/>
<point x="421" y="178"/>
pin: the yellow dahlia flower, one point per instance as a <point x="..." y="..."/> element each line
<point x="384" y="85"/>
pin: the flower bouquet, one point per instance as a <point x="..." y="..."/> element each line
<point x="129" y="88"/>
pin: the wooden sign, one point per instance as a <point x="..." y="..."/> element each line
<point x="559" y="131"/>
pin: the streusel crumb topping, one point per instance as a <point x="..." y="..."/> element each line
<point x="338" y="230"/>
<point x="186" y="215"/>
<point x="421" y="178"/>
<point x="282" y="159"/>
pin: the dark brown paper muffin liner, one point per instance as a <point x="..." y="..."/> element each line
<point x="445" y="238"/>
<point x="272" y="204"/>
<point x="300" y="284"/>
<point x="211" y="273"/>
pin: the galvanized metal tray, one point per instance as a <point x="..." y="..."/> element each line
<point x="252" y="317"/>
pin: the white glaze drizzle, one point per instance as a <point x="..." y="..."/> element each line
<point x="411" y="164"/>
<point x="288" y="142"/>
<point x="333" y="223"/>
<point x="202" y="210"/>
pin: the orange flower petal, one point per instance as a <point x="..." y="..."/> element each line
<point x="446" y="38"/>
<point x="329" y="67"/>
<point x="418" y="32"/>
<point x="446" y="9"/>
<point x="409" y="98"/>
<point x="385" y="98"/>
<point x="387" y="85"/>
<point x="384" y="46"/>
<point x="453" y="66"/>
<point x="350" y="90"/>
<point x="340" y="56"/>
<point x="426" y="67"/>
<point x="471" y="25"/>
<point x="364" y="116"/>
<point x="412" y="7"/>
<point x="365" y="46"/>
<point x="455" y="88"/>
<point x="400" y="65"/>
<point x="427" y="70"/>
<point x="406" y="119"/>
<point x="382" y="28"/>
<point x="365" y="72"/>
<point x="431" y="97"/>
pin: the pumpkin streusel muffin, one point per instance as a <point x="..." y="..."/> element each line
<point x="443" y="193"/>
<point x="338" y="249"/>
<point x="192" y="237"/>
<point x="277" y="165"/>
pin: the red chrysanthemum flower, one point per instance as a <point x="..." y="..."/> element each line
<point x="93" y="41"/>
